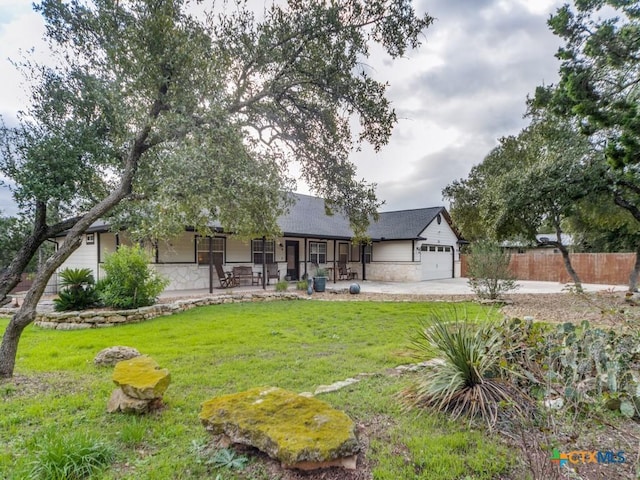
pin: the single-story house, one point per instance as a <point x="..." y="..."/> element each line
<point x="406" y="245"/>
<point x="541" y="244"/>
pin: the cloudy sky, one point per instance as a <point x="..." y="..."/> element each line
<point x="455" y="96"/>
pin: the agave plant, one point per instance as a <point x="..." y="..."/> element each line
<point x="468" y="379"/>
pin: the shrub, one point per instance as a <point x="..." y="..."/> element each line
<point x="586" y="366"/>
<point x="321" y="272"/>
<point x="75" y="457"/>
<point x="130" y="282"/>
<point x="302" y="285"/>
<point x="78" y="290"/>
<point x="488" y="270"/>
<point x="282" y="286"/>
<point x="466" y="377"/>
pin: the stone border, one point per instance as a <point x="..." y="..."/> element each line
<point x="109" y="318"/>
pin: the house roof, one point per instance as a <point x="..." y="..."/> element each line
<point x="542" y="240"/>
<point x="404" y="224"/>
<point x="307" y="217"/>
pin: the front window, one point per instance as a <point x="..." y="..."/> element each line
<point x="318" y="252"/>
<point x="203" y="249"/>
<point x="269" y="251"/>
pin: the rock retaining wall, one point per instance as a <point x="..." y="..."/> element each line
<point x="110" y="318"/>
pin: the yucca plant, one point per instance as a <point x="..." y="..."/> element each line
<point x="468" y="378"/>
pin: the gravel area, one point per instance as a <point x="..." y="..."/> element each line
<point x="604" y="308"/>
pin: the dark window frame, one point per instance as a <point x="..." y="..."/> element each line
<point x="269" y="251"/>
<point x="318" y="254"/>
<point x="202" y="254"/>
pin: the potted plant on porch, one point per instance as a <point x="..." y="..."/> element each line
<point x="320" y="280"/>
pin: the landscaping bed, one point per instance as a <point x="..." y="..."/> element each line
<point x="228" y="348"/>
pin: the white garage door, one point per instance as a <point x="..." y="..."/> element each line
<point x="437" y="262"/>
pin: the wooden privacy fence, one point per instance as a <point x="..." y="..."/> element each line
<point x="604" y="268"/>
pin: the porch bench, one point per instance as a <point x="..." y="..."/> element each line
<point x="245" y="274"/>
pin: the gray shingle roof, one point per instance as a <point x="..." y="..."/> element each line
<point x="307" y="218"/>
<point x="403" y="224"/>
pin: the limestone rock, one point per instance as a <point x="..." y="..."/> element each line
<point x="108" y="357"/>
<point x="121" y="402"/>
<point x="141" y="378"/>
<point x="334" y="387"/>
<point x="299" y="431"/>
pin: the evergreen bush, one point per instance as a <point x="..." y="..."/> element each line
<point x="130" y="282"/>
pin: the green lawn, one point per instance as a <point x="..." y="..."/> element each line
<point x="214" y="350"/>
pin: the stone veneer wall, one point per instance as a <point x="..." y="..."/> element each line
<point x="110" y="318"/>
<point x="393" y="271"/>
<point x="186" y="276"/>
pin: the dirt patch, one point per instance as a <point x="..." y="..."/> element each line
<point x="603" y="308"/>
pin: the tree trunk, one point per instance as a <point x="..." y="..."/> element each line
<point x="567" y="264"/>
<point x="41" y="232"/>
<point x="635" y="211"/>
<point x="11" y="276"/>
<point x="9" y="346"/>
<point x="565" y="257"/>
<point x="27" y="312"/>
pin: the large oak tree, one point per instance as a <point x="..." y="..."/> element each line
<point x="527" y="184"/>
<point x="600" y="85"/>
<point x="175" y="119"/>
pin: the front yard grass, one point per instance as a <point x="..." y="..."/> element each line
<point x="221" y="349"/>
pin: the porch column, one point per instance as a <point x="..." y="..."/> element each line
<point x="210" y="264"/>
<point x="264" y="260"/>
<point x="334" y="260"/>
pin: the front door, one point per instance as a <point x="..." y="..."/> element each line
<point x="293" y="259"/>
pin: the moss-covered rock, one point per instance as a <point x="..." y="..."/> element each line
<point x="142" y="378"/>
<point x="286" y="426"/>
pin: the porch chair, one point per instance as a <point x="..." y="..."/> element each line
<point x="273" y="272"/>
<point x="226" y="279"/>
<point x="344" y="272"/>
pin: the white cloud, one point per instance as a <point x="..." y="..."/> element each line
<point x="21" y="30"/>
<point x="465" y="87"/>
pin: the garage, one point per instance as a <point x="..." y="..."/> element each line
<point x="437" y="262"/>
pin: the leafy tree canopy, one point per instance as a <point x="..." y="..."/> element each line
<point x="220" y="107"/>
<point x="600" y="85"/>
<point x="528" y="182"/>
<point x="175" y="119"/>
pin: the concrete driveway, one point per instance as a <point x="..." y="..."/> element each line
<point x="460" y="286"/>
<point x="449" y="286"/>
